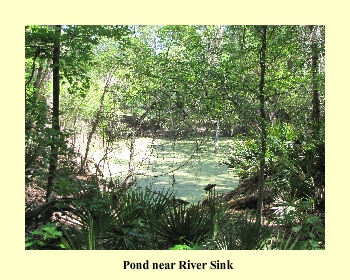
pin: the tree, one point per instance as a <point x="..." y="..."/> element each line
<point x="318" y="168"/>
<point x="70" y="48"/>
<point x="316" y="47"/>
<point x="55" y="110"/>
<point x="263" y="120"/>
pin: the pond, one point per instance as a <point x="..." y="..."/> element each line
<point x="186" y="166"/>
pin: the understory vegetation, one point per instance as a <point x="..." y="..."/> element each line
<point x="122" y="121"/>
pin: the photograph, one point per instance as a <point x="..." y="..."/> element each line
<point x="174" y="137"/>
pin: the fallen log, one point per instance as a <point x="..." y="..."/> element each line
<point x="244" y="202"/>
<point x="47" y="209"/>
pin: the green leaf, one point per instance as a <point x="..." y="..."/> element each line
<point x="314" y="243"/>
<point x="312" y="236"/>
<point x="180" y="247"/>
<point x="312" y="219"/>
<point x="29" y="244"/>
<point x="296" y="228"/>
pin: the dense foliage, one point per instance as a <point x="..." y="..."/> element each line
<point x="93" y="91"/>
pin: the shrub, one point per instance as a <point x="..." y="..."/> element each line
<point x="243" y="233"/>
<point x="299" y="217"/>
<point x="193" y="224"/>
<point x="190" y="225"/>
<point x="115" y="219"/>
<point x="47" y="237"/>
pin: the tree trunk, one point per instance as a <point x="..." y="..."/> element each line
<point x="318" y="169"/>
<point x="263" y="122"/>
<point x="315" y="116"/>
<point x="55" y="111"/>
<point x="216" y="149"/>
<point x="95" y="124"/>
<point x="127" y="181"/>
<point x="244" y="202"/>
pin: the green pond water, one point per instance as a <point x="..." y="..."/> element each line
<point x="164" y="163"/>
